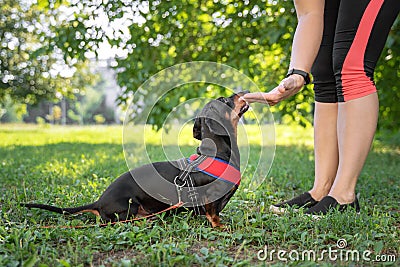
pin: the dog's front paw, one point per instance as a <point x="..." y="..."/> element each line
<point x="215" y="221"/>
<point x="218" y="225"/>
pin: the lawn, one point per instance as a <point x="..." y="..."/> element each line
<point x="73" y="165"/>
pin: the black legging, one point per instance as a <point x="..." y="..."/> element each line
<point x="355" y="32"/>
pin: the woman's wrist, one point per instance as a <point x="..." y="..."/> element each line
<point x="306" y="76"/>
<point x="293" y="82"/>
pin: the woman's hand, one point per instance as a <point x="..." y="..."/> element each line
<point x="288" y="87"/>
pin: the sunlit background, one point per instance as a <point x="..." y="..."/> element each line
<point x="79" y="62"/>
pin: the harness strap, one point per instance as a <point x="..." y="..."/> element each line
<point x="185" y="172"/>
<point x="184" y="177"/>
<point x="218" y="168"/>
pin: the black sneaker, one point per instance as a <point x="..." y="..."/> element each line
<point x="328" y="203"/>
<point x="305" y="200"/>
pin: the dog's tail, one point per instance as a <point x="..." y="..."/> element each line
<point x="86" y="208"/>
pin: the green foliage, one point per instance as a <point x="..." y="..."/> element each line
<point x="90" y="101"/>
<point x="10" y="111"/>
<point x="99" y="119"/>
<point x="31" y="71"/>
<point x="251" y="36"/>
<point x="387" y="76"/>
<point x="40" y="120"/>
<point x="20" y="76"/>
<point x="57" y="114"/>
<point x="74" y="165"/>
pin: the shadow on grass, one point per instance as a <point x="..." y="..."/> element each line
<point x="79" y="166"/>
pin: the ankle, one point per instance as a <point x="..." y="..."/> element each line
<point x="318" y="194"/>
<point x="343" y="197"/>
<point x="320" y="189"/>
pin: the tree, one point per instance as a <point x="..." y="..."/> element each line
<point x="29" y="70"/>
<point x="387" y="76"/>
<point x="251" y="36"/>
<point x="158" y="34"/>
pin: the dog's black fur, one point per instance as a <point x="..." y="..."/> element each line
<point x="216" y="127"/>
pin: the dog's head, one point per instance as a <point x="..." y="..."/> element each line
<point x="218" y="121"/>
<point x="220" y="117"/>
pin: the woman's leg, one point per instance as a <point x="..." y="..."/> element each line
<point x="325" y="148"/>
<point x="354" y="68"/>
<point x="326" y="152"/>
<point x="325" y="118"/>
<point x="357" y="121"/>
<point x="326" y="158"/>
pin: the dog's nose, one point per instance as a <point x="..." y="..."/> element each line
<point x="241" y="93"/>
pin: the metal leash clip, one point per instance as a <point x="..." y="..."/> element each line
<point x="179" y="187"/>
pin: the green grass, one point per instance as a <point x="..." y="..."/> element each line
<point x="73" y="165"/>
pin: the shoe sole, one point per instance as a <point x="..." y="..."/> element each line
<point x="317" y="217"/>
<point x="314" y="217"/>
<point x="279" y="211"/>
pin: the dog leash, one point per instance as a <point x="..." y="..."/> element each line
<point x="177" y="205"/>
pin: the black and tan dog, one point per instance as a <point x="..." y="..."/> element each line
<point x="150" y="188"/>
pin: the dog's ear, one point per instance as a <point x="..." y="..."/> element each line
<point x="197" y="128"/>
<point x="216" y="126"/>
<point x="215" y="118"/>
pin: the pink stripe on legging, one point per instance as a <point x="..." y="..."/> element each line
<point x="355" y="82"/>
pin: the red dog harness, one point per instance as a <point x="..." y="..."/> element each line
<point x="218" y="168"/>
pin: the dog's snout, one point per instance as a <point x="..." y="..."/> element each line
<point x="242" y="93"/>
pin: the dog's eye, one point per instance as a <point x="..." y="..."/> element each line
<point x="226" y="101"/>
<point x="229" y="102"/>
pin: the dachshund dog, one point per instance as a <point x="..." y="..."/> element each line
<point x="152" y="188"/>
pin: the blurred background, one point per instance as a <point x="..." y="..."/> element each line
<point x="80" y="62"/>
